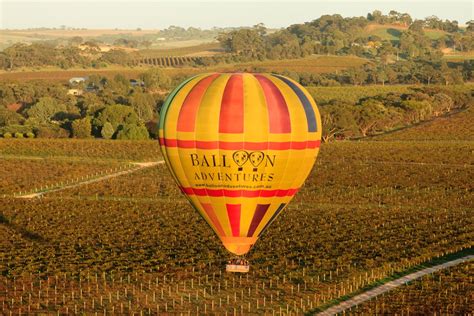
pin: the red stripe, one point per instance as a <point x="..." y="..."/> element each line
<point x="212" y="215"/>
<point x="278" y="114"/>
<point x="310" y="144"/>
<point x="238" y="193"/>
<point x="257" y="218"/>
<point x="189" y="109"/>
<point x="231" y="118"/>
<point x="233" y="211"/>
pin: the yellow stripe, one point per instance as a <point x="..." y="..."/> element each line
<point x="207" y="125"/>
<point x="256" y="126"/>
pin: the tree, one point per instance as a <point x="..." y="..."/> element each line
<point x="117" y="115"/>
<point x="81" y="128"/>
<point x="369" y="113"/>
<point x="45" y="109"/>
<point x="416" y="110"/>
<point x="107" y="131"/>
<point x="442" y="103"/>
<point x="382" y="75"/>
<point x="337" y="119"/>
<point x="245" y="42"/>
<point x="357" y="76"/>
<point x="417" y="26"/>
<point x="8" y="117"/>
<point x="143" y="105"/>
<point x="133" y="132"/>
<point x="155" y="79"/>
<point x="428" y="72"/>
<point x="470" y="26"/>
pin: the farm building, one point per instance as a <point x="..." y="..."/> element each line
<point x="77" y="80"/>
<point x="15" y="107"/>
<point x="136" y="83"/>
<point x="74" y="91"/>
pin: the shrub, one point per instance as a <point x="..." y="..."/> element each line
<point x="82" y="128"/>
<point x="7" y="135"/>
<point x="18" y="135"/>
<point x="135" y="132"/>
<point x="107" y="131"/>
<point x="30" y="135"/>
<point x="51" y="131"/>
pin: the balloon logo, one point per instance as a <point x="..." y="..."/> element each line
<point x="256" y="159"/>
<point x="240" y="158"/>
<point x="239" y="146"/>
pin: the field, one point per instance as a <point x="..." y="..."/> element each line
<point x="133" y="244"/>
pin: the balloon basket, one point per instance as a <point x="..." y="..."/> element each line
<point x="237" y="265"/>
<point x="237" y="268"/>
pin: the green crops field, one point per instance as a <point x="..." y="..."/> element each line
<point x="133" y="244"/>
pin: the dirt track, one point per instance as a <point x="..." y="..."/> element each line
<point x="358" y="299"/>
<point x="140" y="165"/>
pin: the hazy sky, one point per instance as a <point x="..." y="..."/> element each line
<point x="205" y="14"/>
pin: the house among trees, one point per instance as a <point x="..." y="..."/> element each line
<point x="136" y="83"/>
<point x="15" y="107"/>
<point x="74" y="91"/>
<point x="77" y="80"/>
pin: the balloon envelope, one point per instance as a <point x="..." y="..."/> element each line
<point x="239" y="146"/>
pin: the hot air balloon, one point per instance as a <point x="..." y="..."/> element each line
<point x="239" y="146"/>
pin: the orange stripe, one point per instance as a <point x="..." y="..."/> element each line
<point x="212" y="215"/>
<point x="189" y="109"/>
<point x="231" y="118"/>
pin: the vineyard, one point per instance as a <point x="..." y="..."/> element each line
<point x="133" y="244"/>
<point x="168" y="61"/>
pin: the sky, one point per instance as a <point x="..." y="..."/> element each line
<point x="158" y="14"/>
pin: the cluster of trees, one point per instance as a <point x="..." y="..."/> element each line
<point x="372" y="115"/>
<point x="394" y="17"/>
<point x="46" y="54"/>
<point x="110" y="109"/>
<point x="333" y="34"/>
<point x="435" y="71"/>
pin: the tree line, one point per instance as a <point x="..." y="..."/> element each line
<point x="342" y="119"/>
